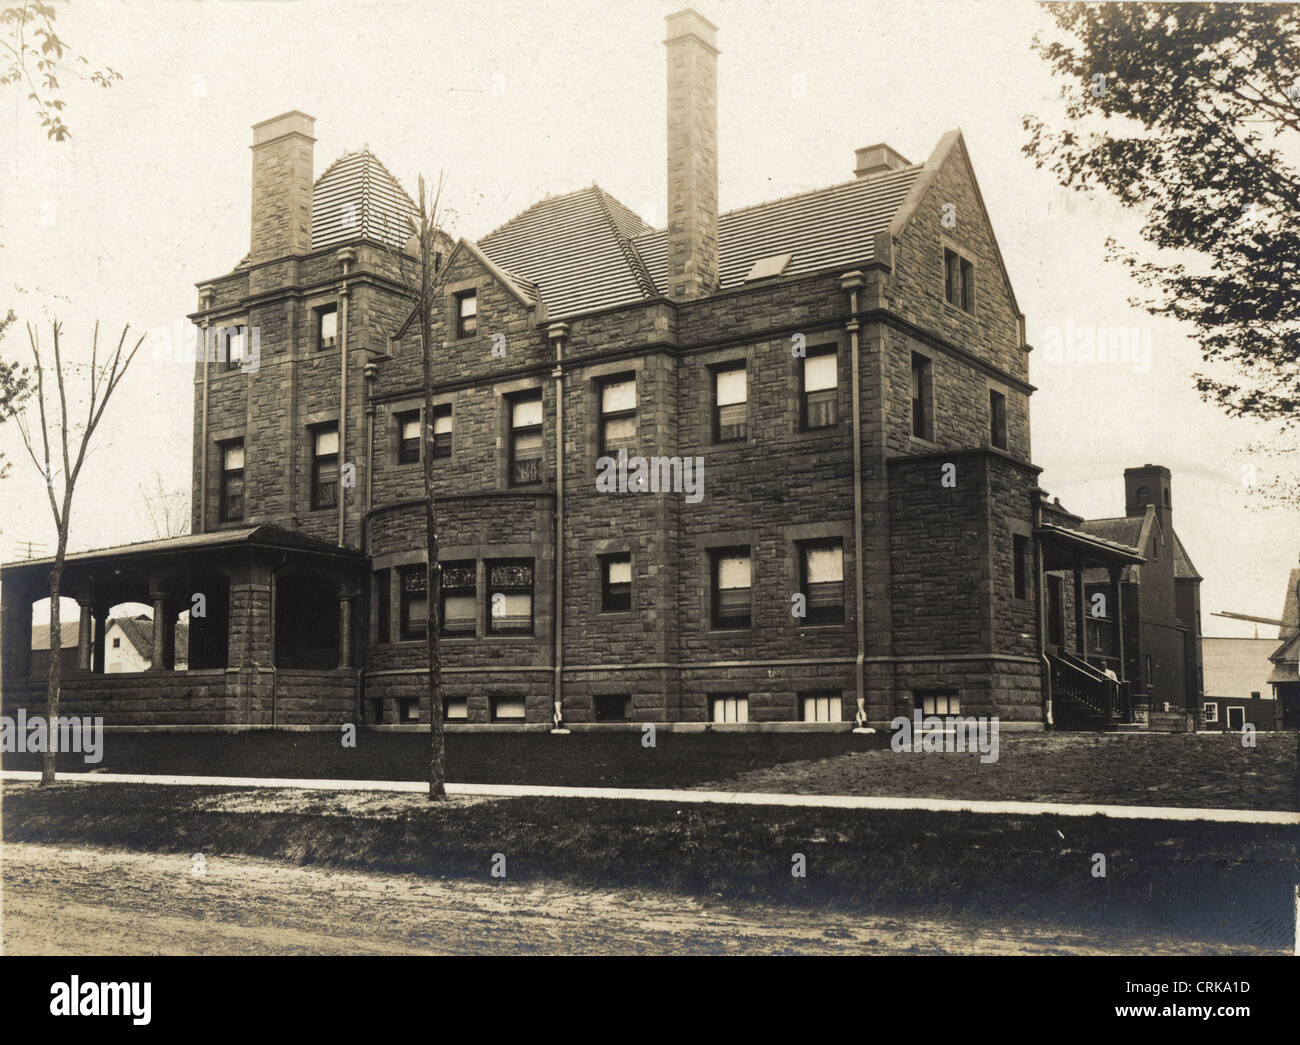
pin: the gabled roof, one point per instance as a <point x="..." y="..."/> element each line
<point x="357" y="197"/>
<point x="1131" y="530"/>
<point x="827" y="228"/>
<point x="1183" y="568"/>
<point x="577" y="249"/>
<point x="69" y="635"/>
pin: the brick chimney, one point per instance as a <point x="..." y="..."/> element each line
<point x="282" y="184"/>
<point x="875" y="159"/>
<point x="1149" y="484"/>
<point x="692" y="155"/>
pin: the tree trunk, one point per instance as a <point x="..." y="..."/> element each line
<point x="433" y="588"/>
<point x="55" y="678"/>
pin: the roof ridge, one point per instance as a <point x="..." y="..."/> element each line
<point x="805" y="194"/>
<point x="537" y="203"/>
<point x="630" y="254"/>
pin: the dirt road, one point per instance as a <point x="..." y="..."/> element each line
<point x="87" y="901"/>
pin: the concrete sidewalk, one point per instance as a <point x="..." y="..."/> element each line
<point x="756" y="798"/>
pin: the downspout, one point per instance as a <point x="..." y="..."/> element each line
<point x="370" y="371"/>
<point x="557" y="332"/>
<point x="1040" y="580"/>
<point x="853" y="282"/>
<point x="206" y="296"/>
<point x="346" y="257"/>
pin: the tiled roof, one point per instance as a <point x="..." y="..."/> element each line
<point x="356" y="197"/>
<point x="827" y="228"/>
<point x="577" y="249"/>
<point x="1126" y="530"/>
<point x="585" y="250"/>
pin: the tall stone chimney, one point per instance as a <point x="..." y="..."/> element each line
<point x="692" y="155"/>
<point x="282" y="183"/>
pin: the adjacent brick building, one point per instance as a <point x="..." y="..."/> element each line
<point x="832" y="387"/>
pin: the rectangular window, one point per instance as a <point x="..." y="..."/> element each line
<point x="616" y="583"/>
<point x="822" y="707"/>
<point x="938" y="702"/>
<point x="467" y="314"/>
<point x="415" y="602"/>
<point x="728" y="707"/>
<point x="442" y="430"/>
<point x="821" y="580"/>
<point x="455" y="709"/>
<point x="997" y="419"/>
<point x="730" y="403"/>
<point x="327" y="327"/>
<point x="526" y="438"/>
<point x="730" y="568"/>
<point x="510" y="596"/>
<point x="325" y="467"/>
<point x="1020" y="553"/>
<point x="459" y="597"/>
<point x="507" y="709"/>
<point x="618" y="415"/>
<point x="1211" y="711"/>
<point x="232" y="480"/>
<point x="232" y="347"/>
<point x="408" y="437"/>
<point x="615" y="707"/>
<point x="383" y="606"/>
<point x="922" y="398"/>
<point x="958" y="281"/>
<point x="820" y="386"/>
<point x="408" y="709"/>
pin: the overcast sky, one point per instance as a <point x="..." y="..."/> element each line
<point x="517" y="100"/>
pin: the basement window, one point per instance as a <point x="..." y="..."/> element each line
<point x="822" y="707"/>
<point x="611" y="707"/>
<point x="507" y="709"/>
<point x="939" y="702"/>
<point x="408" y="709"/>
<point x="728" y="707"/>
<point x="455" y="709"/>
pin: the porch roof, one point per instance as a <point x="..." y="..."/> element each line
<point x="1064" y="548"/>
<point x="266" y="535"/>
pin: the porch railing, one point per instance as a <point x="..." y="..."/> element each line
<point x="1077" y="680"/>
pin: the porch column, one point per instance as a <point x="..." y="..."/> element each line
<point x="162" y="634"/>
<point x="100" y="612"/>
<point x="1117" y="601"/>
<point x="1080" y="613"/>
<point x="85" y="648"/>
<point x="345" y="628"/>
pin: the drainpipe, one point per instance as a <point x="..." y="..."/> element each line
<point x="206" y="295"/>
<point x="346" y="257"/>
<point x="853" y="282"/>
<point x="1041" y="579"/>
<point x="557" y="332"/>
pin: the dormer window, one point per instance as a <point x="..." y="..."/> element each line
<point x="467" y="314"/>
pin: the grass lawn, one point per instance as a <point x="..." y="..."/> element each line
<point x="1220" y="883"/>
<point x="610" y="759"/>
<point x="1210" y="770"/>
<point x="1207" y="769"/>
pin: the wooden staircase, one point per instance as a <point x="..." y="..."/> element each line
<point x="1084" y="698"/>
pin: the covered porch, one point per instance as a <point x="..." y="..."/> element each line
<point x="271" y="617"/>
<point x="1084" y="626"/>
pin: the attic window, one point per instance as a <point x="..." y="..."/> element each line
<point x="766" y="268"/>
